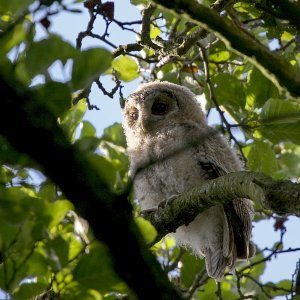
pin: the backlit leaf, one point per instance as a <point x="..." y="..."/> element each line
<point x="148" y="231"/>
<point x="72" y="118"/>
<point x="261" y="158"/>
<point x="95" y="270"/>
<point x="88" y="65"/>
<point x="259" y="89"/>
<point x="42" y="54"/>
<point x="280" y="121"/>
<point x="228" y="91"/>
<point x="126" y="67"/>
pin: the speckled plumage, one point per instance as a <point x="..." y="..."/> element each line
<point x="171" y="150"/>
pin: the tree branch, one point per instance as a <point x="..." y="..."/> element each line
<point x="282" y="197"/>
<point x="123" y="49"/>
<point x="31" y="128"/>
<point x="271" y="64"/>
<point x="289" y="10"/>
<point x="145" y="31"/>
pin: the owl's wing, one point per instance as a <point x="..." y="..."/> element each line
<point x="238" y="215"/>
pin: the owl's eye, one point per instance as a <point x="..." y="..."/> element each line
<point x="134" y="115"/>
<point x="159" y="108"/>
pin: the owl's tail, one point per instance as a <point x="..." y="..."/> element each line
<point x="239" y="214"/>
<point x="236" y="239"/>
<point x="215" y="263"/>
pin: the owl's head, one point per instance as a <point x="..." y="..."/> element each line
<point x="158" y="106"/>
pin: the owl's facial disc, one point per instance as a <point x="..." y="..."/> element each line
<point x="150" y="109"/>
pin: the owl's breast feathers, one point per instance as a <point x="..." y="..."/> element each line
<point x="163" y="145"/>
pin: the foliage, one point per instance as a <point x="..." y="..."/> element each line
<point x="45" y="247"/>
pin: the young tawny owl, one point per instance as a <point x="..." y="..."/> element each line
<point x="171" y="150"/>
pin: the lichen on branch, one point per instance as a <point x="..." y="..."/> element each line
<point x="281" y="197"/>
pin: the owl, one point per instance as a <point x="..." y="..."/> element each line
<point x="172" y="150"/>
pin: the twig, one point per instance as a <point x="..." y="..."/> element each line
<point x="114" y="89"/>
<point x="88" y="30"/>
<point x="296" y="279"/>
<point x="145" y="31"/>
<point x="219" y="291"/>
<point x="214" y="99"/>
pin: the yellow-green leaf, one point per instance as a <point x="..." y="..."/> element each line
<point x="148" y="231"/>
<point x="126" y="67"/>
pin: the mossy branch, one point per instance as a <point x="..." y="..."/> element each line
<point x="281" y="197"/>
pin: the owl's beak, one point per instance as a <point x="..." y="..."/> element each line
<point x="145" y="125"/>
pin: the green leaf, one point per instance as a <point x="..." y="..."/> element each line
<point x="57" y="250"/>
<point x="258" y="269"/>
<point x="13" y="6"/>
<point x="154" y="31"/>
<point x="72" y="118"/>
<point x="106" y="169"/>
<point x="113" y="145"/>
<point x="191" y="265"/>
<point x="261" y="158"/>
<point x="220" y="56"/>
<point x="76" y="246"/>
<point x="36" y="265"/>
<point x="95" y="271"/>
<point x="29" y="290"/>
<point x="6" y="175"/>
<point x="57" y="211"/>
<point x="283" y="287"/>
<point x="208" y="291"/>
<point x="88" y="65"/>
<point x="259" y="89"/>
<point x="280" y="121"/>
<point x="138" y="2"/>
<point x="18" y="203"/>
<point x="277" y="111"/>
<point x="229" y="91"/>
<point x="115" y="134"/>
<point x="87" y="141"/>
<point x="12" y="38"/>
<point x="87" y="144"/>
<point x="148" y="231"/>
<point x="57" y="97"/>
<point x="126" y="67"/>
<point x="87" y="130"/>
<point x="287" y="36"/>
<point x="282" y="133"/>
<point x="116" y="155"/>
<point x="169" y="76"/>
<point x="289" y="161"/>
<point x="42" y="54"/>
<point x="47" y="191"/>
<point x="31" y="264"/>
